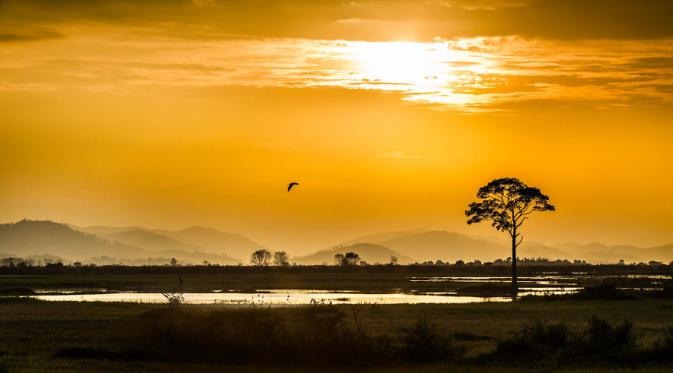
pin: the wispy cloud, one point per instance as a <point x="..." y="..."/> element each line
<point x="464" y="74"/>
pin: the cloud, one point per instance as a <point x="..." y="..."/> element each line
<point x="362" y="20"/>
<point x="6" y="37"/>
<point x="470" y="75"/>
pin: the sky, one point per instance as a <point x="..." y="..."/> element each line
<point x="390" y="115"/>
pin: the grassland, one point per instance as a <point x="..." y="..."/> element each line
<point x="380" y="278"/>
<point x="40" y="336"/>
<point x="33" y="332"/>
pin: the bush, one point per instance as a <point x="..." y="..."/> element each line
<point x="601" y="337"/>
<point x="426" y="342"/>
<point x="555" y="344"/>
<point x="602" y="291"/>
<point x="662" y="350"/>
<point x="539" y="341"/>
<point x="310" y="336"/>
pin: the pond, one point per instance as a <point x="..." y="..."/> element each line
<point x="275" y="298"/>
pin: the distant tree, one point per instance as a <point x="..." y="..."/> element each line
<point x="352" y="258"/>
<point x="174" y="262"/>
<point x="339" y="259"/>
<point x="205" y="263"/>
<point x="280" y="258"/>
<point x="261" y="257"/>
<point x="77" y="264"/>
<point x="460" y="262"/>
<point x="507" y="203"/>
<point x="393" y="260"/>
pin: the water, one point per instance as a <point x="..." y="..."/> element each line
<point x="546" y="284"/>
<point x="275" y="298"/>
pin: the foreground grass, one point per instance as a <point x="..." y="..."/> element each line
<point x="32" y="332"/>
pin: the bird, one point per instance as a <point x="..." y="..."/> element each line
<point x="292" y="184"/>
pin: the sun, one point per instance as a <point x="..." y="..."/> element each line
<point x="424" y="71"/>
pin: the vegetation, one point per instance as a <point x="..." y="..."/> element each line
<point x="348" y="259"/>
<point x="473" y="337"/>
<point x="281" y="258"/>
<point x="507" y="203"/>
<point x="370" y="278"/>
<point x="261" y="257"/>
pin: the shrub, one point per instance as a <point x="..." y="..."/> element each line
<point x="313" y="335"/>
<point x="600" y="337"/>
<point x="663" y="349"/>
<point x="426" y="342"/>
<point x="539" y="341"/>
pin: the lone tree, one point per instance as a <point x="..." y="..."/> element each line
<point x="506" y="203"/>
<point x="261" y="257"/>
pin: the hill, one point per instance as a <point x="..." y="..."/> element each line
<point x="433" y="245"/>
<point x="371" y="253"/>
<point x="214" y="241"/>
<point x="26" y="238"/>
<point x="149" y="240"/>
<point x="204" y="239"/>
<point x="38" y="238"/>
<point x="597" y="252"/>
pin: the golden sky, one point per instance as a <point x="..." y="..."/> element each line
<point x="390" y="115"/>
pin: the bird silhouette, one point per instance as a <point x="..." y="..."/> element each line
<point x="292" y="184"/>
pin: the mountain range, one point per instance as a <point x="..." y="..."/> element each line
<point x="139" y="245"/>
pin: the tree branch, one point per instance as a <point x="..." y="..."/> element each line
<point x="520" y="223"/>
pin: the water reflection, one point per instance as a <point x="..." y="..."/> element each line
<point x="276" y="298"/>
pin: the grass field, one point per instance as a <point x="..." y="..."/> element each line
<point x="83" y="336"/>
<point x="32" y="332"/>
<point x="356" y="278"/>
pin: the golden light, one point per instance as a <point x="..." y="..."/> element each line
<point x="425" y="72"/>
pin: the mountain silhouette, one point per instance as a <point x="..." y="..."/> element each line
<point x="369" y="252"/>
<point x="203" y="239"/>
<point x="138" y="245"/>
<point x="29" y="238"/>
<point x="149" y="240"/>
<point x="214" y="241"/>
<point x="433" y="245"/>
<point x="423" y="245"/>
<point x="596" y="252"/>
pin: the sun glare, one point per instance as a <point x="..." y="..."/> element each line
<point x="425" y="72"/>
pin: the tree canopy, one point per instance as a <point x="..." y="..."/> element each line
<point x="506" y="203"/>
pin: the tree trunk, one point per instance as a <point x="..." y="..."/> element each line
<point x="515" y="285"/>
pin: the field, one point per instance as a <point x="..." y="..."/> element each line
<point x="372" y="278"/>
<point x="32" y="332"/>
<point x="548" y="333"/>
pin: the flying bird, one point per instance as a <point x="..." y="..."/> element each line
<point x="291" y="185"/>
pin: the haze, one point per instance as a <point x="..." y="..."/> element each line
<point x="390" y="115"/>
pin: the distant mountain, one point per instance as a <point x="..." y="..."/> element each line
<point x="371" y="253"/>
<point x="27" y="237"/>
<point x="214" y="241"/>
<point x="30" y="238"/>
<point x="102" y="230"/>
<point x="149" y="240"/>
<point x="207" y="240"/>
<point x="383" y="236"/>
<point x="423" y="245"/>
<point x="540" y="250"/>
<point x="433" y="245"/>
<point x="596" y="252"/>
